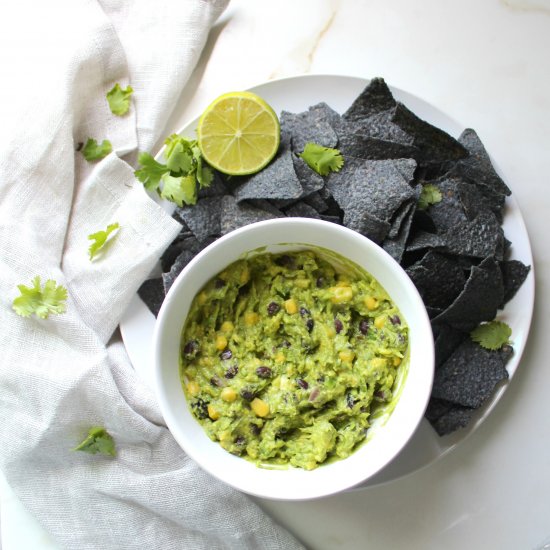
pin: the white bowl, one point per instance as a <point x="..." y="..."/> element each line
<point x="387" y="438"/>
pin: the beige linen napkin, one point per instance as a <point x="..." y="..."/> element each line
<point x="62" y="375"/>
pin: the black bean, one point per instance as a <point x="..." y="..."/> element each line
<point x="395" y="320"/>
<point x="263" y="372"/>
<point x="226" y="354"/>
<point x="302" y="383"/>
<point x="304" y="311"/>
<point x="247" y="394"/>
<point x="216" y="381"/>
<point x="350" y="400"/>
<point x="231" y="371"/>
<point x="338" y="326"/>
<point x="314" y="393"/>
<point x="191" y="348"/>
<point x="309" y="325"/>
<point x="273" y="308"/>
<point x="255" y="429"/>
<point x="364" y="326"/>
<point x="285" y="261"/>
<point x="240" y="440"/>
<point x="200" y="407"/>
<point x="320" y="282"/>
<point x="219" y="283"/>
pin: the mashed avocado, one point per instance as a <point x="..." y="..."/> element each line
<point x="286" y="359"/>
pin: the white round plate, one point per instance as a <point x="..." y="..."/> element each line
<point x="296" y="94"/>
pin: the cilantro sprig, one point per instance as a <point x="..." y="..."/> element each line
<point x="184" y="173"/>
<point x="119" y="99"/>
<point x="100" y="239"/>
<point x="98" y="440"/>
<point x="322" y="159"/>
<point x="42" y="301"/>
<point x="492" y="335"/>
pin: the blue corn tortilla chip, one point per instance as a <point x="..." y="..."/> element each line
<point x="514" y="274"/>
<point x="152" y="294"/>
<point x="316" y="201"/>
<point x="313" y="125"/>
<point x="310" y="180"/>
<point x="447" y="417"/>
<point x="423" y="240"/>
<point x="478" y="168"/>
<point x="373" y="148"/>
<point x="436" y="145"/>
<point x="235" y="215"/>
<point x="278" y="180"/>
<point x="203" y="218"/>
<point x="439" y="279"/>
<point x="469" y="376"/>
<point x="396" y="241"/>
<point x="479" y="300"/>
<point x="374" y="99"/>
<point x="302" y="210"/>
<point x="446" y="342"/>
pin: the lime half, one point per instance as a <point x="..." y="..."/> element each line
<point x="238" y="133"/>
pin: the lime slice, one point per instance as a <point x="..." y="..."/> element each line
<point x="238" y="133"/>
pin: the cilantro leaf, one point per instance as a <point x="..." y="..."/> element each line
<point x="94" y="151"/>
<point x="100" y="239"/>
<point x="97" y="441"/>
<point x="178" y="154"/>
<point x="322" y="159"/>
<point x="40" y="301"/>
<point x="150" y="172"/>
<point x="205" y="175"/>
<point x="119" y="99"/>
<point x="429" y="195"/>
<point x="492" y="335"/>
<point x="179" y="189"/>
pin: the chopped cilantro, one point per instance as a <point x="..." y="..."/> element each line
<point x="119" y="99"/>
<point x="430" y="195"/>
<point x="40" y="301"/>
<point x="322" y="159"/>
<point x="100" y="239"/>
<point x="183" y="174"/>
<point x="492" y="335"/>
<point x="97" y="441"/>
<point x="94" y="151"/>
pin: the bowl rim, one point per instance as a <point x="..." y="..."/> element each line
<point x="308" y="488"/>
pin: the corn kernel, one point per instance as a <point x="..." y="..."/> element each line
<point x="193" y="388"/>
<point x="341" y="294"/>
<point x="251" y="318"/>
<point x="202" y="297"/>
<point x="371" y="303"/>
<point x="330" y="331"/>
<point x="228" y="395"/>
<point x="279" y="357"/>
<point x="396" y="361"/>
<point x="227" y="326"/>
<point x="260" y="408"/>
<point x="378" y="363"/>
<point x="380" y="321"/>
<point x="212" y="412"/>
<point x="342" y="281"/>
<point x="221" y="342"/>
<point x="291" y="306"/>
<point x="347" y="355"/>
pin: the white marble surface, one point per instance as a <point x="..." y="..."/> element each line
<point x="486" y="64"/>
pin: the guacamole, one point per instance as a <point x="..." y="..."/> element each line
<point x="287" y="358"/>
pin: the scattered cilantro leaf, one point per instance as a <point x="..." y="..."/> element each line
<point x="322" y="159"/>
<point x="100" y="239"/>
<point x="119" y="99"/>
<point x="97" y="441"/>
<point x="429" y="195"/>
<point x="40" y="301"/>
<point x="183" y="174"/>
<point x="179" y="189"/>
<point x="150" y="172"/>
<point x="94" y="151"/>
<point x="492" y="335"/>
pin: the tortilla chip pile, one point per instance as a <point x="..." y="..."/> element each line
<point x="454" y="250"/>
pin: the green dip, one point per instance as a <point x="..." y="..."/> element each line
<point x="287" y="358"/>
